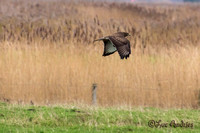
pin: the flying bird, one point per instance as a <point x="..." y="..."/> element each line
<point x="116" y="42"/>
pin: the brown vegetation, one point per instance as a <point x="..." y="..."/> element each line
<point x="47" y="54"/>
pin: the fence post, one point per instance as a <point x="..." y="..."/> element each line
<point x="94" y="95"/>
<point x="199" y="98"/>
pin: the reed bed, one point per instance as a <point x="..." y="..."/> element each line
<point x="65" y="75"/>
<point x="47" y="55"/>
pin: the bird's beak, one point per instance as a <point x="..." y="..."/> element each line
<point x="128" y="36"/>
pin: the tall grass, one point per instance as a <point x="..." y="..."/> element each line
<point x="65" y="74"/>
<point x="47" y="55"/>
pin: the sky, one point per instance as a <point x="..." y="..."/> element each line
<point x="160" y="0"/>
<point x="153" y="0"/>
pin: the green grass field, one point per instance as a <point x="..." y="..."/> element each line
<point x="43" y="119"/>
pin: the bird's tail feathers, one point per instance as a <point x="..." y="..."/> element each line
<point x="99" y="39"/>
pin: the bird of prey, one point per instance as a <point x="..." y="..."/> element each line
<point x="116" y="42"/>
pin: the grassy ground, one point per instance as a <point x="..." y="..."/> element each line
<point x="26" y="118"/>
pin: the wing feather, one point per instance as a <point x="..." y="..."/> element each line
<point x="109" y="48"/>
<point x="122" y="44"/>
<point x="114" y="43"/>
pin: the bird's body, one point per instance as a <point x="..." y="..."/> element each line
<point x="116" y="42"/>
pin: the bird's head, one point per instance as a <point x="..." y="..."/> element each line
<point x="124" y="34"/>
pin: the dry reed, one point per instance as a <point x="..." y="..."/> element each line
<point x="47" y="55"/>
<point x="64" y="75"/>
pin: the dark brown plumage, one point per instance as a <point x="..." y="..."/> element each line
<point x="116" y="42"/>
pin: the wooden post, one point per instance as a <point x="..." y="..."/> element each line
<point x="94" y="95"/>
<point x="199" y="98"/>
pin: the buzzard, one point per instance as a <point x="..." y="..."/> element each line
<point x="116" y="42"/>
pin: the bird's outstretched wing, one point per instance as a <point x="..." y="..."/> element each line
<point x="109" y="47"/>
<point x="122" y="44"/>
